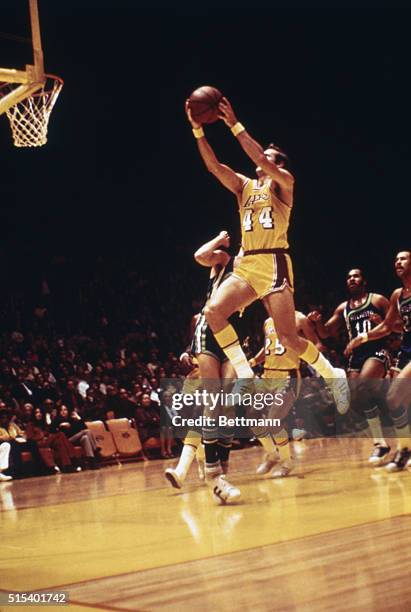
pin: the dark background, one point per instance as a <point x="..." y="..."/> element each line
<point x="121" y="176"/>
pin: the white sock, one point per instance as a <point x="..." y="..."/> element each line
<point x="185" y="461"/>
<point x="376" y="430"/>
<point x="239" y="361"/>
<point x="324" y="367"/>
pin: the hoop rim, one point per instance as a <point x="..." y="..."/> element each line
<point x="55" y="77"/>
<point x="46" y="75"/>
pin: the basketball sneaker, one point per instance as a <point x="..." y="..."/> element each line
<point x="282" y="470"/>
<point x="223" y="491"/>
<point x="399" y="461"/>
<point x="341" y="391"/>
<point x="173" y="478"/>
<point x="4" y="477"/>
<point x="379" y="455"/>
<point x="269" y="461"/>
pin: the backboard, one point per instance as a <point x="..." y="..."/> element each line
<point x="27" y="95"/>
<point x="32" y="77"/>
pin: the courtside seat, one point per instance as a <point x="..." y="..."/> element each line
<point x="152" y="444"/>
<point x="125" y="436"/>
<point x="104" y="439"/>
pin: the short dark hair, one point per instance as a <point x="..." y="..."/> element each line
<point x="280" y="155"/>
<point x="359" y="270"/>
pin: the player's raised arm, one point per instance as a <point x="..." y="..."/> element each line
<point x="230" y="179"/>
<point x="253" y="149"/>
<point x="381" y="330"/>
<point x="306" y="328"/>
<point x="210" y="255"/>
<point x="332" y="326"/>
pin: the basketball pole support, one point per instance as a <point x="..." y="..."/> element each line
<point x="36" y="40"/>
<point x="33" y="77"/>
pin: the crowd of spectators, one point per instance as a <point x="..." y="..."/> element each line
<point x="94" y="342"/>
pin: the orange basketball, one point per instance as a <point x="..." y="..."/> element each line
<point x="203" y="104"/>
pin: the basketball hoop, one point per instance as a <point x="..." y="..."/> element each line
<point x="29" y="118"/>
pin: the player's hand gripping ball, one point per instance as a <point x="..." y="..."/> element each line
<point x="203" y="104"/>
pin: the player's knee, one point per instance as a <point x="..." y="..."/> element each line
<point x="363" y="387"/>
<point x="288" y="340"/>
<point x="211" y="312"/>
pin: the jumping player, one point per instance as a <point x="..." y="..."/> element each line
<point x="265" y="271"/>
<point x="367" y="364"/>
<point x="398" y="397"/>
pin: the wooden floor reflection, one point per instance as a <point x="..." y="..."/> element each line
<point x="336" y="535"/>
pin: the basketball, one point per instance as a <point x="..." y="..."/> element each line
<point x="203" y="104"/>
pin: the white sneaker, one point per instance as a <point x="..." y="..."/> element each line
<point x="400" y="460"/>
<point x="378" y="455"/>
<point x="173" y="478"/>
<point x="223" y="491"/>
<point x="341" y="391"/>
<point x="282" y="470"/>
<point x="270" y="459"/>
<point x="4" y="477"/>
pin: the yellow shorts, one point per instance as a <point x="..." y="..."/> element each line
<point x="266" y="272"/>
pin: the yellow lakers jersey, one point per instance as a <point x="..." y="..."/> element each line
<point x="264" y="217"/>
<point x="277" y="357"/>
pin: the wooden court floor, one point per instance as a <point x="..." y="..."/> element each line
<point x="334" y="536"/>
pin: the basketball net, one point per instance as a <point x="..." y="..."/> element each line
<point x="29" y="118"/>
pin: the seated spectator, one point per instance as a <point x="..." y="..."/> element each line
<point x="75" y="429"/>
<point x="148" y="418"/>
<point x="71" y="397"/>
<point x="38" y="430"/>
<point x="93" y="409"/>
<point x="26" y="414"/>
<point x="49" y="409"/>
<point x="16" y="437"/>
<point x="136" y="393"/>
<point x="126" y="406"/>
<point x="111" y="403"/>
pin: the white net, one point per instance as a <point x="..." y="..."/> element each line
<point x="29" y="119"/>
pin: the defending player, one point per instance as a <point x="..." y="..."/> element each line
<point x="280" y="365"/>
<point x="398" y="397"/>
<point x="214" y="366"/>
<point x="265" y="271"/>
<point x="367" y="364"/>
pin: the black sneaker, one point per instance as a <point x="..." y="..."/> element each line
<point x="399" y="461"/>
<point x="378" y="455"/>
